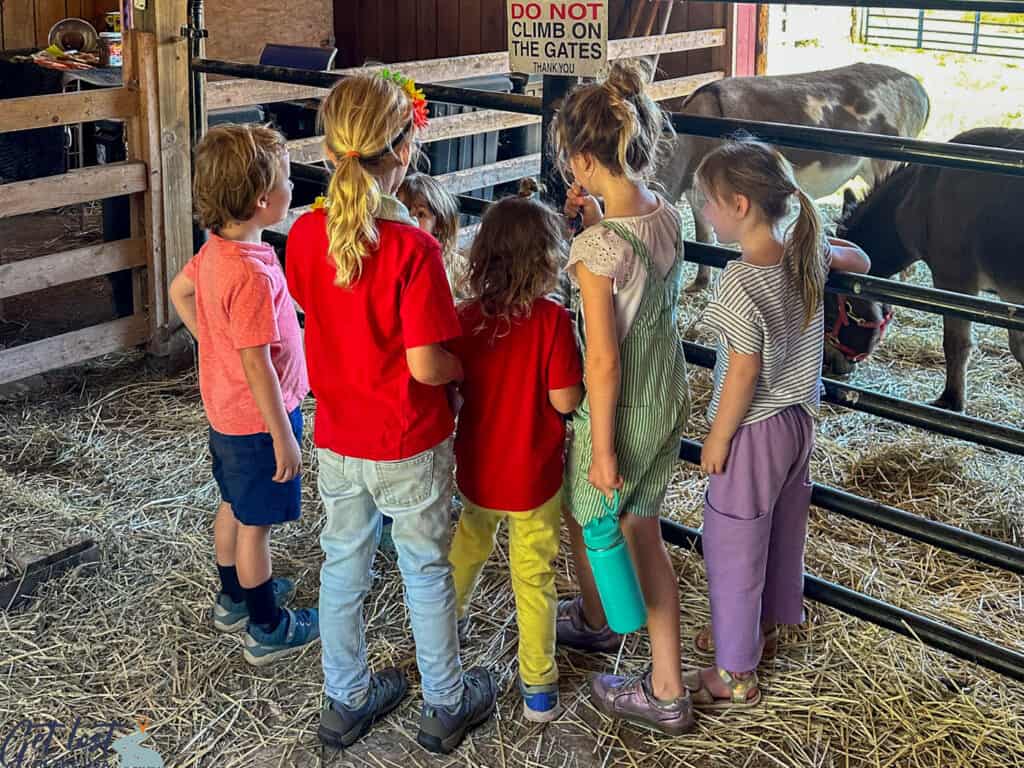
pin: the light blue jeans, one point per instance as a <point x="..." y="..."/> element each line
<point x="416" y="494"/>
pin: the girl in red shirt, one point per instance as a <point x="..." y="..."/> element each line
<point x="522" y="375"/>
<point x="378" y="311"/>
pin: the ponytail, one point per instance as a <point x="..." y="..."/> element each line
<point x="804" y="254"/>
<point x="366" y="120"/>
<point x="615" y="121"/>
<point x="352" y="197"/>
<point x="746" y="166"/>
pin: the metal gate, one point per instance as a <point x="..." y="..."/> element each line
<point x="971" y="32"/>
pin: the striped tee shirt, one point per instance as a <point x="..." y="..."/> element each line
<point x="759" y="310"/>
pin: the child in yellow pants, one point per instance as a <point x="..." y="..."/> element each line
<point x="522" y="375"/>
<point x="532" y="549"/>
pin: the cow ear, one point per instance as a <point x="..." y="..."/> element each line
<point x="849" y="202"/>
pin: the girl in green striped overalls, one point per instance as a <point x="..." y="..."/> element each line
<point x="627" y="264"/>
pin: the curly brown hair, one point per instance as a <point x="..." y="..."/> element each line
<point x="516" y="257"/>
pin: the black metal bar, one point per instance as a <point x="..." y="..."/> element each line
<point x="937" y="420"/>
<point x="472" y="206"/>
<point x="933" y="300"/>
<point x="555" y="89"/>
<point x="940" y="153"/>
<point x="507" y="102"/>
<point x="950" y="538"/>
<point x="946" y="154"/>
<point x="932" y="633"/>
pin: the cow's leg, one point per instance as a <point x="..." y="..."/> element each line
<point x="703" y="234"/>
<point x="957" y="342"/>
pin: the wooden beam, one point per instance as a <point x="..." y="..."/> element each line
<point x="237" y="92"/>
<point x="310" y="150"/>
<point x="68" y="266"/>
<point x="165" y="20"/>
<point x="79" y="186"/>
<point x="663" y="90"/>
<point x="70" y="348"/>
<point x="144" y="145"/>
<point x="29" y="112"/>
<point x="456" y="182"/>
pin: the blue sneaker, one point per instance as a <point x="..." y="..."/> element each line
<point x="540" y="702"/>
<point x="229" y="616"/>
<point x="295" y="631"/>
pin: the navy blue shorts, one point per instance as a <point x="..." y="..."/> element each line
<point x="244" y="467"/>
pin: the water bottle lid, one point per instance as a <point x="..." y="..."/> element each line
<point x="603" y="532"/>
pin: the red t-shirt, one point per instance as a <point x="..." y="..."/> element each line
<point x="368" y="404"/>
<point x="242" y="301"/>
<point x="510" y="441"/>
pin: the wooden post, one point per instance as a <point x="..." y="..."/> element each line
<point x="761" y="46"/>
<point x="165" y="19"/>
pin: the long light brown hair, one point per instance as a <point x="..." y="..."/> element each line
<point x="441" y="202"/>
<point x="516" y="256"/>
<point x="615" y="121"/>
<point x="366" y="121"/>
<point x="748" y="167"/>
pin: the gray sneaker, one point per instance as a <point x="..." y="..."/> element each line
<point x="630" y="698"/>
<point x="341" y="727"/>
<point x="571" y="630"/>
<point x="229" y="616"/>
<point x="442" y="731"/>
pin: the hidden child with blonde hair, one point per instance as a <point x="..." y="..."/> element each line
<point x="379" y="313"/>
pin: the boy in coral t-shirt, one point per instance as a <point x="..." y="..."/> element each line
<point x="232" y="296"/>
<point x="522" y="375"/>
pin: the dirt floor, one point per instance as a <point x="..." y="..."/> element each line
<point x="116" y="453"/>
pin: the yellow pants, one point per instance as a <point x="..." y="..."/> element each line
<point x="532" y="549"/>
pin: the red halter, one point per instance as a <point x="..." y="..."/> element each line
<point x="845" y="318"/>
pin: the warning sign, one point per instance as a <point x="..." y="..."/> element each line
<point x="558" y="37"/>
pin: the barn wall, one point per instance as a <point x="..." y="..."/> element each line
<point x="429" y="29"/>
<point x="240" y="28"/>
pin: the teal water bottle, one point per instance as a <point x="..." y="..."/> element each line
<point x="613" y="571"/>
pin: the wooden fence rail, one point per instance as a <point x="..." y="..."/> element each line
<point x="241" y="92"/>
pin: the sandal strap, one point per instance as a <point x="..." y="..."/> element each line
<point x="740" y="688"/>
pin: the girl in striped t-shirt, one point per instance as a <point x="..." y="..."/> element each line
<point x="768" y="313"/>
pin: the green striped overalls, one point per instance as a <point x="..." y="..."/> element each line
<point x="654" y="399"/>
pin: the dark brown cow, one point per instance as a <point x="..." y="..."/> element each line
<point x="965" y="225"/>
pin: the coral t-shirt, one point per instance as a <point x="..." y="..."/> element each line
<point x="368" y="404"/>
<point x="510" y="442"/>
<point x="242" y="301"/>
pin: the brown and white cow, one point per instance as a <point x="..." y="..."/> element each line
<point x="870" y="98"/>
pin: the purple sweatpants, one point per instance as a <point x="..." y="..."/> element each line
<point x="755" y="523"/>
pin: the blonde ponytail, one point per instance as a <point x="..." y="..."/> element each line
<point x="804" y="254"/>
<point x="365" y="120"/>
<point x="352" y="197"/>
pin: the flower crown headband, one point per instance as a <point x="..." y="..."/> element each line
<point x="419" y="112"/>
